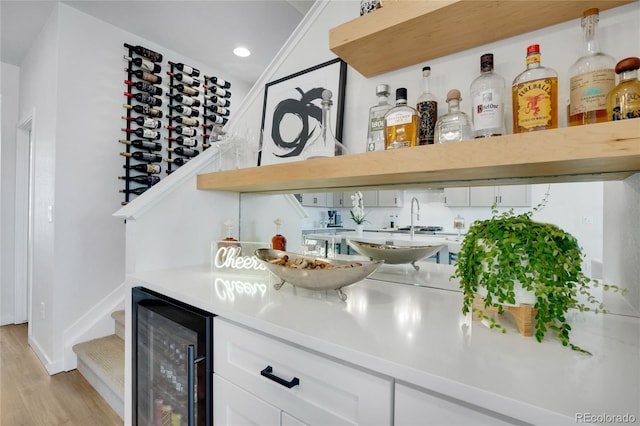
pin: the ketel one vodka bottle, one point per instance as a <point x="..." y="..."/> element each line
<point x="487" y="97"/>
<point x="535" y="96"/>
<point x="375" y="134"/>
<point x="428" y="111"/>
<point x="401" y="123"/>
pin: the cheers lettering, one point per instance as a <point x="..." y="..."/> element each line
<point x="229" y="257"/>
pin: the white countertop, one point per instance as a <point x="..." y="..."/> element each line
<point x="418" y="335"/>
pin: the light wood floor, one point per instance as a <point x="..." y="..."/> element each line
<point x="30" y="397"/>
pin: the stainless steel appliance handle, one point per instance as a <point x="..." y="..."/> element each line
<point x="191" y="382"/>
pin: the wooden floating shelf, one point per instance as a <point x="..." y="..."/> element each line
<point x="410" y="32"/>
<point x="605" y="151"/>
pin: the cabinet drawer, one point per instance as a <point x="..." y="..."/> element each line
<point x="328" y="392"/>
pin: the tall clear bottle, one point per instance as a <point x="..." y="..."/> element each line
<point x="325" y="143"/>
<point x="455" y="125"/>
<point x="592" y="77"/>
<point x="623" y="101"/>
<point x="535" y="95"/>
<point x="375" y="134"/>
<point x="487" y="97"/>
<point x="401" y="123"/>
<point x="428" y="111"/>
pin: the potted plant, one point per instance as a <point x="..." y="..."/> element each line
<point x="500" y="254"/>
<point x="357" y="212"/>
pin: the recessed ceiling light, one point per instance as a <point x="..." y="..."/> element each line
<point x="243" y="52"/>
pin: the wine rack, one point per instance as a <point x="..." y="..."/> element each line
<point x="196" y="109"/>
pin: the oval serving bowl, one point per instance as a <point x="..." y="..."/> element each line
<point x="341" y="273"/>
<point x="394" y="254"/>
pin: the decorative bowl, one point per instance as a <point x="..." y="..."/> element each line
<point x="331" y="274"/>
<point x="394" y="254"/>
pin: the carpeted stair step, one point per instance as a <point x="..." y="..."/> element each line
<point x="118" y="318"/>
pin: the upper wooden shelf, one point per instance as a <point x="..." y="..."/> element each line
<point x="602" y="151"/>
<point x="405" y="33"/>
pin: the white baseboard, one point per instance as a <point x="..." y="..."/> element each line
<point x="50" y="366"/>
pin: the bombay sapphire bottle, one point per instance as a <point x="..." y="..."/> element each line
<point x="325" y="143"/>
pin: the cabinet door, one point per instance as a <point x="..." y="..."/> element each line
<point x="235" y="406"/>
<point x="416" y="407"/>
<point x="314" y="199"/>
<point x="482" y="196"/>
<point x="335" y="199"/>
<point x="369" y="198"/>
<point x="514" y="195"/>
<point x="388" y="198"/>
<point x="456" y="197"/>
<point x="288" y="420"/>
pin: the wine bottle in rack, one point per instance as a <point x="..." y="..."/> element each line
<point x="143" y="144"/>
<point x="186" y="79"/>
<point x="185" y="110"/>
<point x="146" y="76"/>
<point x="218" y="91"/>
<point x="143" y="179"/>
<point x="144" y="98"/>
<point x="180" y="161"/>
<point x="184" y="141"/>
<point x="220" y="82"/>
<point x="216" y="119"/>
<point x="147" y="53"/>
<point x="184" y="131"/>
<point x="143" y="156"/>
<point x="218" y="110"/>
<point x="194" y="72"/>
<point x="188" y="90"/>
<point x="187" y="152"/>
<point x="145" y="87"/>
<point x="145" y="168"/>
<point x="136" y="191"/>
<point x="216" y="100"/>
<point x="145" y="109"/>
<point x="144" y="64"/>
<point x="187" y="121"/>
<point x="149" y="123"/>
<point x="144" y="133"/>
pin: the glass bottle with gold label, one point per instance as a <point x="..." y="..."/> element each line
<point x="592" y="77"/>
<point x="401" y="123"/>
<point x="623" y="101"/>
<point x="535" y="95"/>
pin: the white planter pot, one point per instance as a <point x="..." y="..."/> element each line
<point x="359" y="230"/>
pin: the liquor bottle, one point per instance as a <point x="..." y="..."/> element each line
<point x="187" y="152"/>
<point x="145" y="109"/>
<point x="623" y="101"/>
<point x="188" y="70"/>
<point x="144" y="64"/>
<point x="218" y="91"/>
<point x="185" y="110"/>
<point x="182" y="130"/>
<point x="145" y="168"/>
<point x="143" y="156"/>
<point x="278" y="241"/>
<point x="143" y="144"/>
<point x="147" y="76"/>
<point x="535" y="95"/>
<point x="144" y="133"/>
<point x="229" y="240"/>
<point x="428" y="111"/>
<point x="145" y="98"/>
<point x="149" y="123"/>
<point x="186" y="100"/>
<point x="145" y="87"/>
<point x="592" y="77"/>
<point x="220" y="82"/>
<point x="455" y="125"/>
<point x="218" y="110"/>
<point x="216" y="100"/>
<point x="178" y="161"/>
<point x="401" y="123"/>
<point x="487" y="97"/>
<point x="187" y="121"/>
<point x="375" y="133"/>
<point x="148" y="53"/>
<point x="188" y="90"/>
<point x="184" y="141"/>
<point x="216" y="119"/>
<point x="143" y="179"/>
<point x="136" y="191"/>
<point x="325" y="143"/>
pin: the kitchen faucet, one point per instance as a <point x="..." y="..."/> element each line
<point x="414" y="199"/>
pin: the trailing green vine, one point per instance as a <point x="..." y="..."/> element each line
<point x="543" y="258"/>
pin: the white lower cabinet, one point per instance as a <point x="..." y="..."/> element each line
<point x="235" y="406"/>
<point x="305" y="388"/>
<point x="419" y="407"/>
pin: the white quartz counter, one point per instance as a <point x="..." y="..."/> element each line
<point x="418" y="335"/>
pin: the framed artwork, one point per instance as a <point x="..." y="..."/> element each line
<point x="292" y="114"/>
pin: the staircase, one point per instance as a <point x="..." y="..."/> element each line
<point x="101" y="362"/>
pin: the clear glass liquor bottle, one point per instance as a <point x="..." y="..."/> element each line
<point x="325" y="143"/>
<point x="401" y="123"/>
<point x="375" y="134"/>
<point x="487" y="97"/>
<point x="623" y="101"/>
<point x="428" y="111"/>
<point x="535" y="95"/>
<point x="454" y="126"/>
<point x="592" y="77"/>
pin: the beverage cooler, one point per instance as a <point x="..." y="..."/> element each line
<point x="172" y="366"/>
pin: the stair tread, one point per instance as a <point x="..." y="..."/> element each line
<point x="118" y="316"/>
<point x="106" y="355"/>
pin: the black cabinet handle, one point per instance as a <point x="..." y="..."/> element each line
<point x="268" y="373"/>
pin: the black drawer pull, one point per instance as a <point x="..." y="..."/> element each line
<point x="268" y="373"/>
